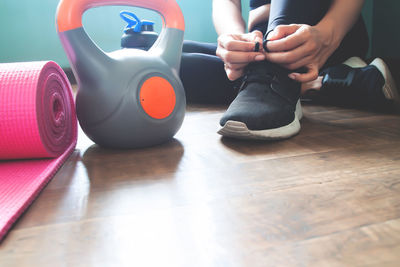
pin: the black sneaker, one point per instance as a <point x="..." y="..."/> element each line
<point x="389" y="88"/>
<point x="369" y="87"/>
<point x="267" y="106"/>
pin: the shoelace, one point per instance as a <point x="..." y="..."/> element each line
<point x="267" y="79"/>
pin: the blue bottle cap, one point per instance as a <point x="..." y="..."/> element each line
<point x="134" y="22"/>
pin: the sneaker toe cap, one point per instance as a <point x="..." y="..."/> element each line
<point x="259" y="117"/>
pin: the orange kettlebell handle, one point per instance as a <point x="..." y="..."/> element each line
<point x="69" y="12"/>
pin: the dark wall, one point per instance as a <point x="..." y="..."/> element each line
<point x="386" y="28"/>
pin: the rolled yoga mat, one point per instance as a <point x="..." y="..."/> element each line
<point x="38" y="131"/>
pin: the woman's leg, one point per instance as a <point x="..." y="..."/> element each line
<point x="199" y="47"/>
<point x="203" y="75"/>
<point x="268" y="107"/>
<point x="199" y="59"/>
<point x="284" y="12"/>
<point x="354" y="44"/>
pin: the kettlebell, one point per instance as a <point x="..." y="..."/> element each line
<point x="138" y="33"/>
<point x="128" y="98"/>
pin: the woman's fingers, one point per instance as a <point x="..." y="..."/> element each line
<point x="239" y="57"/>
<point x="236" y="45"/>
<point x="289" y="42"/>
<point x="299" y="64"/>
<point x="300" y="47"/>
<point x="238" y="50"/>
<point x="282" y="31"/>
<point x="233" y="74"/>
<point x="310" y="75"/>
<point x="256" y="36"/>
<point x="290" y="58"/>
<point x="243" y="42"/>
<point x="231" y="50"/>
<point x="235" y="66"/>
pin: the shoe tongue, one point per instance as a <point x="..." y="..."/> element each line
<point x="266" y="68"/>
<point x="278" y="78"/>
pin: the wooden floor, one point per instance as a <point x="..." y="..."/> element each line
<point x="328" y="197"/>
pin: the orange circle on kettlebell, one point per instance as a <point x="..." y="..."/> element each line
<point x="157" y="97"/>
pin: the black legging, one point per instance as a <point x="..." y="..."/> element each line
<point x="202" y="72"/>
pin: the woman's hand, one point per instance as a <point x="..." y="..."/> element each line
<point x="237" y="50"/>
<point x="300" y="45"/>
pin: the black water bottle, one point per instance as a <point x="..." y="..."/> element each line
<point x="138" y="33"/>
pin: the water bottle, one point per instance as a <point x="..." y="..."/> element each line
<point x="138" y="33"/>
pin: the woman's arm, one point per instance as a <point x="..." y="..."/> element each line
<point x="299" y="45"/>
<point x="341" y="17"/>
<point x="258" y="15"/>
<point x="227" y="16"/>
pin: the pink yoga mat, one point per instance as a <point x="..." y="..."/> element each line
<point x="38" y="131"/>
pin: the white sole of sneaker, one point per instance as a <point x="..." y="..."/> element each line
<point x="355" y="62"/>
<point x="237" y="129"/>
<point x="389" y="88"/>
